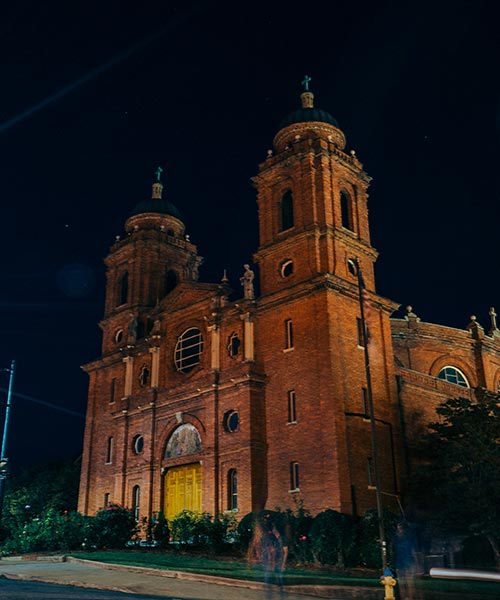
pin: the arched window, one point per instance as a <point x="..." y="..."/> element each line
<point x="233" y="345"/>
<point x="144" y="376"/>
<point x="346" y="210"/>
<point x="453" y="375"/>
<point x="170" y="281"/>
<point x="123" y="290"/>
<point x="184" y="440"/>
<point x="188" y="350"/>
<point x="232" y="488"/>
<point x="286" y="211"/>
<point x="136" y="501"/>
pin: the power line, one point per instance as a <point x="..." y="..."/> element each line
<point x="45" y="403"/>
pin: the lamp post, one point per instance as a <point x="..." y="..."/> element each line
<point x="3" y="460"/>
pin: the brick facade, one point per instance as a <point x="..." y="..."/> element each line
<point x="268" y="393"/>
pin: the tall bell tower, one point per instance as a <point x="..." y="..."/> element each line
<point x="313" y="222"/>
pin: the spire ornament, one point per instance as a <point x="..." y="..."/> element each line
<point x="494" y="329"/>
<point x="157" y="185"/>
<point x="307" y="97"/>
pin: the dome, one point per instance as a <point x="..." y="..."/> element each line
<point x="308" y="112"/>
<point x="156" y="205"/>
<point x="304" y="115"/>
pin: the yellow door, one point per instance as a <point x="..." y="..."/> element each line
<point x="182" y="490"/>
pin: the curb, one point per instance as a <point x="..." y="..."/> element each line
<point x="321" y="591"/>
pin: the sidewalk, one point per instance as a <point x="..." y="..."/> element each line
<point x="155" y="582"/>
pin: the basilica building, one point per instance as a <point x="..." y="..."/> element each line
<point x="208" y="402"/>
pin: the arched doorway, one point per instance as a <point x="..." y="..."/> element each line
<point x="182" y="484"/>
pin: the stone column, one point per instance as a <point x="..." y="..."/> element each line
<point x="248" y="341"/>
<point x="129" y="364"/>
<point x="215" y="346"/>
<point x="155" y="366"/>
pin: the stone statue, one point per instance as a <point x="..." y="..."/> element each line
<point x="156" y="329"/>
<point x="132" y="330"/>
<point x="247" y="283"/>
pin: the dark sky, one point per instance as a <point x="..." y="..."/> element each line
<point x="96" y="96"/>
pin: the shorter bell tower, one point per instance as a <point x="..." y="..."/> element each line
<point x="147" y="264"/>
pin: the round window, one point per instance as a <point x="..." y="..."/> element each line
<point x="286" y="268"/>
<point x="231" y="421"/>
<point x="119" y="336"/>
<point x="188" y="350"/>
<point x="137" y="444"/>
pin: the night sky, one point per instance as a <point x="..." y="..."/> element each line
<point x="95" y="96"/>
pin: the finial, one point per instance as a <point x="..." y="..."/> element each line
<point x="493" y="315"/>
<point x="475" y="328"/>
<point x="307" y="97"/>
<point x="410" y="314"/>
<point x="305" y="82"/>
<point x="224" y="277"/>
<point x="157" y="185"/>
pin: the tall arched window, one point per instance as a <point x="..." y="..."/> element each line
<point x="136" y="501"/>
<point x="232" y="487"/>
<point x="453" y="375"/>
<point x="170" y="281"/>
<point x="123" y="289"/>
<point x="346" y="210"/>
<point x="286" y="211"/>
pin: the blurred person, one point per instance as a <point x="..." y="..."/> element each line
<point x="405" y="561"/>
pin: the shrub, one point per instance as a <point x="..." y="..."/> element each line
<point x="160" y="530"/>
<point x="369" y="538"/>
<point x="333" y="539"/>
<point x="50" y="532"/>
<point x="189" y="527"/>
<point x="115" y="526"/>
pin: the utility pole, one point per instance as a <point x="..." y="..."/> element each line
<point x="3" y="459"/>
<point x="373" y="426"/>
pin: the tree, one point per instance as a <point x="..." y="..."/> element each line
<point x="464" y="477"/>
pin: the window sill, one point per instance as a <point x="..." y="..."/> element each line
<point x="291" y="422"/>
<point x="295" y="491"/>
<point x="288" y="349"/>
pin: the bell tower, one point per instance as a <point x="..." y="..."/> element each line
<point x="314" y="234"/>
<point x="312" y="199"/>
<point x="147" y="264"/>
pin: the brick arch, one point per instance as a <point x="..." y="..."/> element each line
<point x="173" y="424"/>
<point x="450" y="360"/>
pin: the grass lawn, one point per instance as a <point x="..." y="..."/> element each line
<point x="220" y="568"/>
<point x="176" y="561"/>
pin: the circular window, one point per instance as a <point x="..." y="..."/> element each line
<point x="188" y="350"/>
<point x="137" y="444"/>
<point x="231" y="421"/>
<point x="119" y="336"/>
<point x="453" y="375"/>
<point x="286" y="268"/>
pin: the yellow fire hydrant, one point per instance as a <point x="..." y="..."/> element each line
<point x="388" y="581"/>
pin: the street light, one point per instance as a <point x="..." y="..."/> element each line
<point x="3" y="460"/>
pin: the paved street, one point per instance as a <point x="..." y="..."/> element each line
<point x="145" y="582"/>
<point x="31" y="590"/>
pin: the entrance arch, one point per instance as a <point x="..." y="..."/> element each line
<point x="182" y="490"/>
<point x="182" y="484"/>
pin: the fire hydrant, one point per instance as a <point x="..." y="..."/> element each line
<point x="388" y="581"/>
